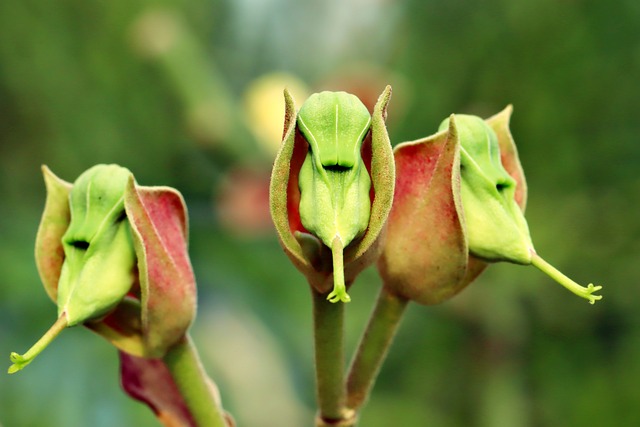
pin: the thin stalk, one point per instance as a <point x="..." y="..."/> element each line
<point x="339" y="293"/>
<point x="328" y="324"/>
<point x="20" y="361"/>
<point x="193" y="383"/>
<point x="373" y="348"/>
<point x="555" y="274"/>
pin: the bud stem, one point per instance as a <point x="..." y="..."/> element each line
<point x="374" y="346"/>
<point x="328" y="325"/>
<point x="20" y="361"/>
<point x="193" y="383"/>
<point x="555" y="274"/>
<point x="339" y="292"/>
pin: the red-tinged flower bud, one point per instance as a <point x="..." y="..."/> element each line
<point x="426" y="254"/>
<point x="459" y="203"/>
<point x="310" y="248"/>
<point x="113" y="255"/>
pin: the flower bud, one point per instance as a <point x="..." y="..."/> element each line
<point x="495" y="224"/>
<point x="113" y="255"/>
<point x="332" y="188"/>
<point x="459" y="203"/>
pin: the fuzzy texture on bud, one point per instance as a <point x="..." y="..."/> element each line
<point x="427" y="257"/>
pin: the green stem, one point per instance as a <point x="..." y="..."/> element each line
<point x="555" y="274"/>
<point x="20" y="361"/>
<point x="193" y="383"/>
<point x="328" y="324"/>
<point x="373" y="347"/>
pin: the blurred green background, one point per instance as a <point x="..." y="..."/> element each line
<point x="187" y="94"/>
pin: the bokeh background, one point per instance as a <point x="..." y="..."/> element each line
<point x="188" y="94"/>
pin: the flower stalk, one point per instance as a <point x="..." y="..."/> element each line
<point x="21" y="361"/>
<point x="328" y="326"/>
<point x="374" y="347"/>
<point x="193" y="384"/>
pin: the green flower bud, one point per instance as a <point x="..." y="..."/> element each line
<point x="334" y="182"/>
<point x="332" y="188"/>
<point x="496" y="228"/>
<point x="99" y="257"/>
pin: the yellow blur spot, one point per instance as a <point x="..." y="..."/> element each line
<point x="264" y="106"/>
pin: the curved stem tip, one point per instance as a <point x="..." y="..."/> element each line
<point x="21" y="361"/>
<point x="555" y="274"/>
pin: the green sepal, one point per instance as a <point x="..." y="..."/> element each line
<point x="49" y="252"/>
<point x="167" y="296"/>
